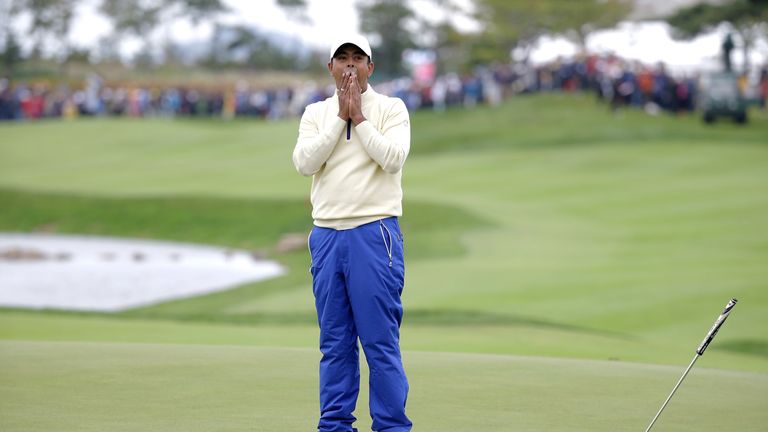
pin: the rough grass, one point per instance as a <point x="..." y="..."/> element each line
<point x="231" y="222"/>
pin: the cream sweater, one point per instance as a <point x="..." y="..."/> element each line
<point x="357" y="181"/>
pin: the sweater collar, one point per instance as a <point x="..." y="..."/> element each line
<point x="369" y="94"/>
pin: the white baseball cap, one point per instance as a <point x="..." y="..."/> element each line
<point x="355" y="39"/>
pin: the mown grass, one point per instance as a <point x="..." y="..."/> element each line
<point x="568" y="121"/>
<point x="547" y="212"/>
<point x="76" y="386"/>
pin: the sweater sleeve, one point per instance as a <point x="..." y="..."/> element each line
<point x="314" y="146"/>
<point x="389" y="146"/>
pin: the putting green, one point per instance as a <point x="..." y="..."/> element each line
<point x="77" y="386"/>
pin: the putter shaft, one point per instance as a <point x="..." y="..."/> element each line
<point x="699" y="352"/>
<point x="664" y="405"/>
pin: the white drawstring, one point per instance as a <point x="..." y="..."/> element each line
<point x="388" y="247"/>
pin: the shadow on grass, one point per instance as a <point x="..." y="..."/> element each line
<point x="753" y="347"/>
<point x="413" y="317"/>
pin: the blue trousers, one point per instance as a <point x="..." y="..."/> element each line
<point x="357" y="280"/>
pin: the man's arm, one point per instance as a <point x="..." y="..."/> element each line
<point x="390" y="146"/>
<point x="314" y="147"/>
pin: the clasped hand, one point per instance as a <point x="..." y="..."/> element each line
<point x="350" y="98"/>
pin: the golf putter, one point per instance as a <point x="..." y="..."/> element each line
<point x="699" y="351"/>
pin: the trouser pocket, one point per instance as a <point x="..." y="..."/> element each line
<point x="391" y="247"/>
<point x="386" y="236"/>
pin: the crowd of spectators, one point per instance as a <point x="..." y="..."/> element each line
<point x="617" y="82"/>
<point x="36" y="101"/>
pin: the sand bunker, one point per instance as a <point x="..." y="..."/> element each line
<point x="113" y="274"/>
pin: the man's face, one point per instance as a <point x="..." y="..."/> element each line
<point x="350" y="57"/>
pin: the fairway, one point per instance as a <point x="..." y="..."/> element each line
<point x="563" y="263"/>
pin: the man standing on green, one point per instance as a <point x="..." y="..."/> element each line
<point x="354" y="145"/>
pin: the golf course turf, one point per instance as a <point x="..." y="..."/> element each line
<point x="563" y="263"/>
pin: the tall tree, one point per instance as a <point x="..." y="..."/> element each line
<point x="516" y="23"/>
<point x="746" y="17"/>
<point x="199" y="10"/>
<point x="451" y="47"/>
<point x="5" y="19"/>
<point x="386" y="21"/>
<point x="140" y="18"/>
<point x="132" y="17"/>
<point x="196" y="11"/>
<point x="577" y="20"/>
<point x="295" y="9"/>
<point x="11" y="54"/>
<point x="241" y="46"/>
<point x="50" y="21"/>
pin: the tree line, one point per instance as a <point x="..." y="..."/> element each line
<point x="393" y="25"/>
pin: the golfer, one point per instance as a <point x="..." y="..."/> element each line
<point x="354" y="145"/>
